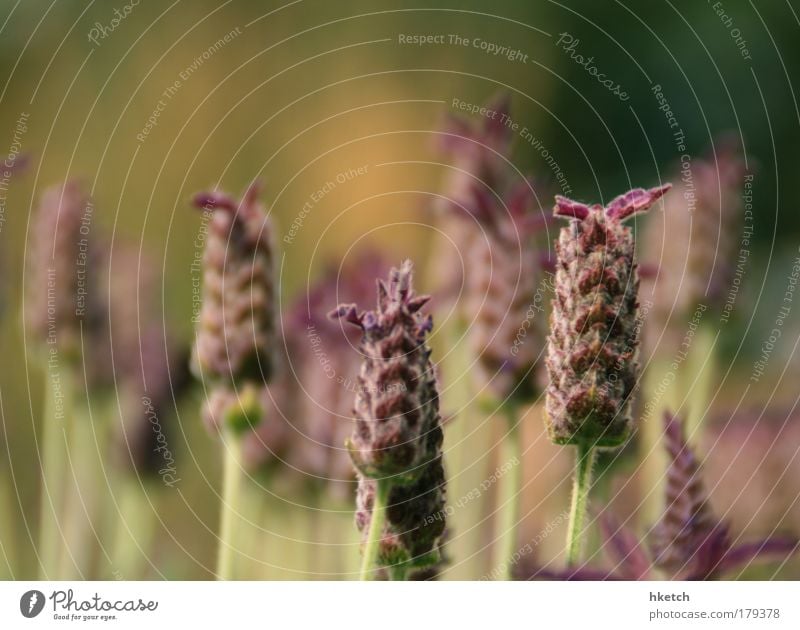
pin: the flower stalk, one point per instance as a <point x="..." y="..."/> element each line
<point x="594" y="330"/>
<point x="231" y="504"/>
<point x="51" y="314"/>
<point x="581" y="484"/>
<point x="372" y="543"/>
<point x="510" y="490"/>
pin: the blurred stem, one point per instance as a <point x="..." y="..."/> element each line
<point x="231" y="502"/>
<point x="6" y="530"/>
<point x="510" y="488"/>
<point x="699" y="381"/>
<point x="375" y="533"/>
<point x="87" y="486"/>
<point x="469" y="461"/>
<point x="580" y="494"/>
<point x="134" y="532"/>
<point x="398" y="572"/>
<point x="56" y="425"/>
<point x="661" y="394"/>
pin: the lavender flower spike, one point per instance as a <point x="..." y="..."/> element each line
<point x="593" y="339"/>
<point x="397" y="442"/>
<point x="397" y="405"/>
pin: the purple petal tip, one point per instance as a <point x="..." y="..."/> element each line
<point x="570" y="209"/>
<point x="635" y="201"/>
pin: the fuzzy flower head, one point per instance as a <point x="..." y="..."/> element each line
<point x="591" y="358"/>
<point x="236" y="330"/>
<point x="396" y="403"/>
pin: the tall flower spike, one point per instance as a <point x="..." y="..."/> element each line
<point x="397" y="439"/>
<point x="591" y="358"/>
<point x="53" y="308"/>
<point x="506" y="333"/>
<point x="236" y="333"/>
<point x="397" y="405"/>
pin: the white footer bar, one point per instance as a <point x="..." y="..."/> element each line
<point x="406" y="606"/>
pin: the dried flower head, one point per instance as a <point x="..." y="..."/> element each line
<point x="398" y="434"/>
<point x="236" y="331"/>
<point x="55" y="290"/>
<point x="593" y="339"/>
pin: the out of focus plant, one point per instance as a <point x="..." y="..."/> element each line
<point x="688" y="543"/>
<point x="234" y="352"/>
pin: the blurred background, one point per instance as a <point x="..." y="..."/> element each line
<point x="159" y="100"/>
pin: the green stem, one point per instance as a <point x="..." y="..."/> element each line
<point x="56" y="429"/>
<point x="87" y="491"/>
<point x="469" y="461"/>
<point x="580" y="494"/>
<point x="510" y="490"/>
<point x="135" y="530"/>
<point x="231" y="502"/>
<point x="375" y="533"/>
<point x="397" y="572"/>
